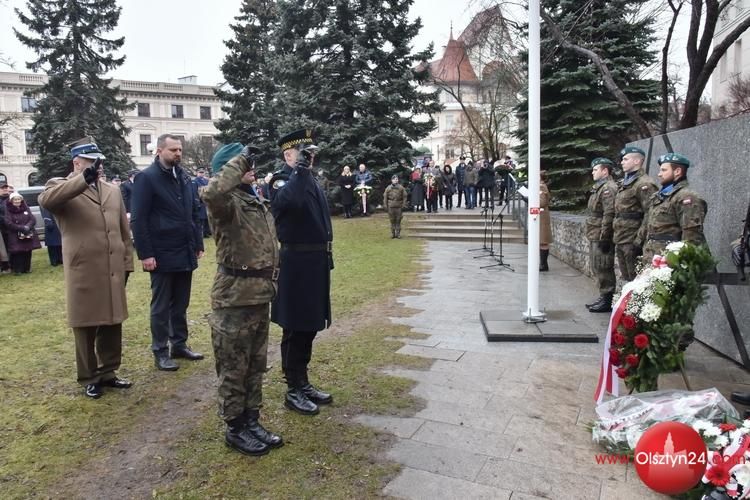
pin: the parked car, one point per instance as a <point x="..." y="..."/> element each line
<point x="31" y="195"/>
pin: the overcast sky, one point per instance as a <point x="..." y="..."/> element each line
<point x="167" y="39"/>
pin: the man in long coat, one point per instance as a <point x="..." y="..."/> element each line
<point x="98" y="257"/>
<point x="302" y="306"/>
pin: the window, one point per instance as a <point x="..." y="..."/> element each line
<point x="205" y="112"/>
<point x="28" y="104"/>
<point x="29" y="138"/>
<point x="449" y="122"/>
<point x="207" y="141"/>
<point x="738" y="57"/>
<point x="145" y="141"/>
<point x="144" y="109"/>
<point x="2" y="147"/>
<point x="177" y="111"/>
<point x="723" y="68"/>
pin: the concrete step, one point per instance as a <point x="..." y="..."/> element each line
<point x="446" y="228"/>
<point x="459" y="237"/>
<point x="454" y="221"/>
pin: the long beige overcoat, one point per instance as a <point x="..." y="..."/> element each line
<point x="96" y="245"/>
<point x="545" y="222"/>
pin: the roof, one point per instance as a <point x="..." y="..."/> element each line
<point x="455" y="65"/>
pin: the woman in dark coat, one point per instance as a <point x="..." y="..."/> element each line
<point x="52" y="238"/>
<point x="22" y="238"/>
<point x="346" y="181"/>
<point x="417" y="190"/>
<point x="449" y="186"/>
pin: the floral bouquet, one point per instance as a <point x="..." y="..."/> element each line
<point x="363" y="191"/>
<point x="652" y="320"/>
<point x="728" y="462"/>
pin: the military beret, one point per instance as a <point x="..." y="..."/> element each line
<point x="675" y="158"/>
<point x="602" y="161"/>
<point x="224" y="154"/>
<point x="632" y="149"/>
<point x="394" y="176"/>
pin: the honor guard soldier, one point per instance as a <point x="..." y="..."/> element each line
<point x="631" y="205"/>
<point x="676" y="212"/>
<point x="302" y="306"/>
<point x="599" y="232"/>
<point x="394" y="200"/>
<point x="248" y="265"/>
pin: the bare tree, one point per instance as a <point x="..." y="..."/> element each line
<point x="739" y="97"/>
<point x="197" y="152"/>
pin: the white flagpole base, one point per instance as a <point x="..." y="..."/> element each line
<point x="530" y="316"/>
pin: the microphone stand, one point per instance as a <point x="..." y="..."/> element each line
<point x="484" y="238"/>
<point x="499" y="256"/>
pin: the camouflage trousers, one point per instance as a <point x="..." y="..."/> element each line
<point x="653" y="247"/>
<point x="240" y="341"/>
<point x="395" y="214"/>
<point x="627" y="259"/>
<point x="603" y="268"/>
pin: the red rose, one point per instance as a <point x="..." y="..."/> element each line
<point x="628" y="322"/>
<point x="632" y="359"/>
<point x="622" y="372"/>
<point x="641" y="341"/>
<point x="618" y="338"/>
<point x="727" y="427"/>
<point x="614" y="357"/>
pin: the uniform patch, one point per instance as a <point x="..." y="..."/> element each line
<point x="644" y="188"/>
<point x="606" y="191"/>
<point x="687" y="201"/>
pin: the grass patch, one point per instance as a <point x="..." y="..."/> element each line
<point x="48" y="429"/>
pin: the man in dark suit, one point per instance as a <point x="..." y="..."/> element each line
<point x="167" y="237"/>
<point x="302" y="306"/>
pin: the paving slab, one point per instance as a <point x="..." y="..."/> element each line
<point x="464" y="438"/>
<point x="437" y="459"/>
<point x="421" y="485"/>
<point x="430" y="352"/>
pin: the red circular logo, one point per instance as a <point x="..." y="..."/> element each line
<point x="670" y="458"/>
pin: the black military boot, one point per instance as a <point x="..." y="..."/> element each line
<point x="271" y="439"/>
<point x="593" y="302"/>
<point x="543" y="254"/>
<point x="239" y="437"/>
<point x="604" y="305"/>
<point x="393" y="232"/>
<point x="316" y="395"/>
<point x="297" y="400"/>
<point x="398" y="231"/>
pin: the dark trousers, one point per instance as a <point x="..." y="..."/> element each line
<point x="487" y="195"/>
<point x="55" y="255"/>
<point x="20" y="262"/>
<point x="432" y="204"/>
<point x="471" y="196"/>
<point x="205" y="228"/>
<point x="460" y="193"/>
<point x="98" y="352"/>
<point x="296" y="352"/>
<point x="348" y="210"/>
<point x="5" y="265"/>
<point x="448" y="201"/>
<point x="170" y="297"/>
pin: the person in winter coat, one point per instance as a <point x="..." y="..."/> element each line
<point x="417" y="195"/>
<point x="460" y="175"/>
<point x="22" y="238"/>
<point x="486" y="184"/>
<point x="470" y="186"/>
<point x="4" y="195"/>
<point x="98" y="256"/>
<point x="449" y="186"/>
<point x="545" y="223"/>
<point x="346" y="181"/>
<point x="52" y="238"/>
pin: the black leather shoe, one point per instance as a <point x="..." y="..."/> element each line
<point x="93" y="391"/>
<point x="118" y="383"/>
<point x="164" y="363"/>
<point x="593" y="303"/>
<point x="601" y="307"/>
<point x="316" y="395"/>
<point x="296" y="400"/>
<point x="742" y="398"/>
<point x="239" y="438"/>
<point x="253" y="426"/>
<point x="186" y="353"/>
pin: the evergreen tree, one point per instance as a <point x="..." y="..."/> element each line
<point x="580" y="120"/>
<point x="68" y="37"/>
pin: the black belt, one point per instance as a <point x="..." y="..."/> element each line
<point x="308" y="247"/>
<point x="597" y="214"/>
<point x="268" y="273"/>
<point x="663" y="237"/>
<point x="629" y="215"/>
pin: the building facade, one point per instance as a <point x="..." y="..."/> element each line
<point x="185" y="109"/>
<point x="735" y="63"/>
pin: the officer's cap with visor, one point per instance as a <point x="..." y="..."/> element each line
<point x="90" y="151"/>
<point x="674" y="158"/>
<point x="296" y="138"/>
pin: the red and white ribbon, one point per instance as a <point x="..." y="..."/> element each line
<point x="608" y="379"/>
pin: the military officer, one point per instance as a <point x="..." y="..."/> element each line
<point x="599" y="232"/>
<point x="631" y="204"/>
<point x="302" y="306"/>
<point x="676" y="212"/>
<point x="244" y="285"/>
<point x="394" y="200"/>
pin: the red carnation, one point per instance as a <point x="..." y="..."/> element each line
<point x="727" y="427"/>
<point x="628" y="322"/>
<point x="641" y="341"/>
<point x="618" y="338"/>
<point x="622" y="372"/>
<point x="614" y="357"/>
<point x="718" y="474"/>
<point x="632" y="359"/>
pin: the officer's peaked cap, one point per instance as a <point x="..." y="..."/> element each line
<point x="302" y="136"/>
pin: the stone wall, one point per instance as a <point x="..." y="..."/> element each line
<point x="569" y="241"/>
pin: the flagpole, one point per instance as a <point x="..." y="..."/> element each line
<point x="532" y="313"/>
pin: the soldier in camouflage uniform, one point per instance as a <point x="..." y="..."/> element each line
<point x="677" y="212"/>
<point x="631" y="205"/>
<point x="599" y="232"/>
<point x="394" y="200"/>
<point x="245" y="283"/>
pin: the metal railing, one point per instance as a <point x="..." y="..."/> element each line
<point x="518" y="205"/>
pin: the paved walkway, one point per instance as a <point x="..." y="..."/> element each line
<point x="507" y="420"/>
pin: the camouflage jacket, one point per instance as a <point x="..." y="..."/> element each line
<point x="601" y="211"/>
<point x="631" y="206"/>
<point x="395" y="197"/>
<point x="677" y="216"/>
<point x="245" y="235"/>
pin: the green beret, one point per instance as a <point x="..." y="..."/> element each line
<point x="632" y="149"/>
<point x="601" y="161"/>
<point x="675" y="158"/>
<point x="224" y="154"/>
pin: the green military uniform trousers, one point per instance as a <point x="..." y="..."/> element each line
<point x="603" y="268"/>
<point x="395" y="214"/>
<point x="240" y="341"/>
